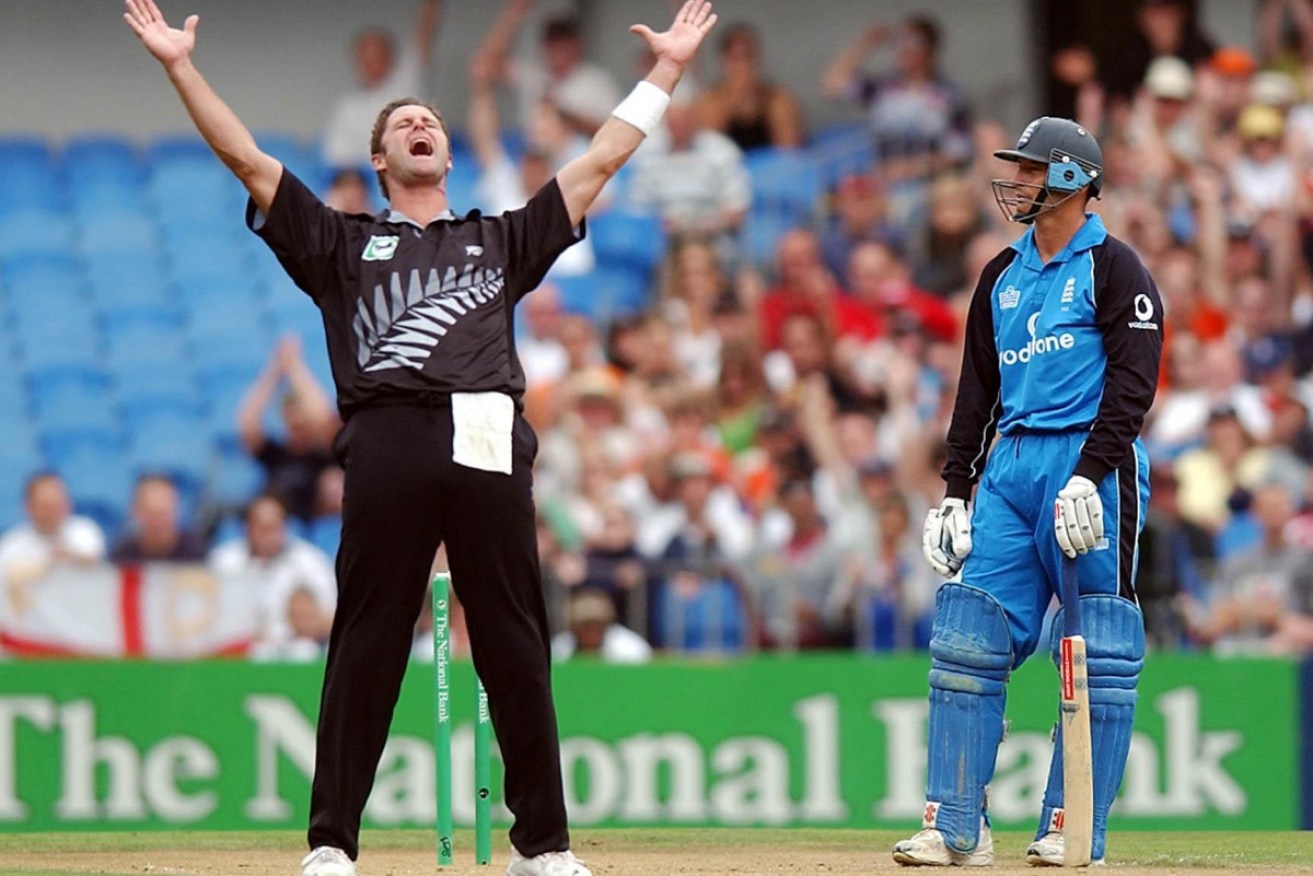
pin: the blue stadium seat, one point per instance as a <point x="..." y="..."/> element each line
<point x="237" y="479"/>
<point x="151" y="389"/>
<point x="35" y="232"/>
<point x="148" y="340"/>
<point x="116" y="285"/>
<point x="70" y="398"/>
<point x="462" y="188"/>
<point x="37" y="351"/>
<point x="326" y="534"/>
<point x="623" y="290"/>
<point x="581" y="295"/>
<point x="97" y="477"/>
<point x="786" y="181"/>
<point x="40" y="275"/>
<point x="208" y="256"/>
<point x="172" y="441"/>
<point x="60" y="446"/>
<point x="99" y="165"/>
<point x="841" y="150"/>
<point x="120" y="232"/>
<point x="760" y="233"/>
<point x="29" y="175"/>
<point x="170" y="148"/>
<point x="294" y="155"/>
<point x="628" y="238"/>
<point x="230" y="529"/>
<point x="37" y="318"/>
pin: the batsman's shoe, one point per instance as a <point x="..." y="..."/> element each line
<point x="1047" y="851"/>
<point x="327" y="861"/>
<point x="546" y="864"/>
<point x="927" y="849"/>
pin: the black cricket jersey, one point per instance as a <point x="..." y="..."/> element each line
<point x="409" y="312"/>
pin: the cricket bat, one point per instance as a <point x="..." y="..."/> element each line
<point x="1077" y="757"/>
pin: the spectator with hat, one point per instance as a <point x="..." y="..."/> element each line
<point x="1262" y="176"/>
<point x="593" y="632"/>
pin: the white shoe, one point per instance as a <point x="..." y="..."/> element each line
<point x="927" y="849"/>
<point x="546" y="864"/>
<point x="327" y="861"/>
<point x="1047" y="851"/>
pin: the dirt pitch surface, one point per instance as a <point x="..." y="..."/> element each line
<point x="836" y="853"/>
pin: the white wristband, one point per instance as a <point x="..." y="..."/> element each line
<point x="643" y="108"/>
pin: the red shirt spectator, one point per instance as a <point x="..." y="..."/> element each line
<point x="881" y="286"/>
<point x="805" y="287"/>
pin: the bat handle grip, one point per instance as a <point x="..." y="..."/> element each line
<point x="1070" y="595"/>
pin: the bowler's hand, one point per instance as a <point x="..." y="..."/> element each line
<point x="946" y="539"/>
<point x="168" y="44"/>
<point x="1078" y="516"/>
<point x="678" y="45"/>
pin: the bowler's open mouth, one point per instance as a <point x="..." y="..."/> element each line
<point x="421" y="147"/>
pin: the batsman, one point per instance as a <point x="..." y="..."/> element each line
<point x="1063" y="342"/>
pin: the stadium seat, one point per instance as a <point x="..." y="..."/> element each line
<point x="784" y="181"/>
<point x="623" y="290"/>
<point x="120" y="280"/>
<point x="147" y="339"/>
<point x="296" y="156"/>
<point x="35" y="232"/>
<point x="237" y="479"/>
<point x="71" y="397"/>
<point x="841" y="150"/>
<point x="99" y="165"/>
<point x="231" y="528"/>
<point x="119" y="232"/>
<point x="97" y="478"/>
<point x="170" y="148"/>
<point x="463" y="188"/>
<point x="760" y="234"/>
<point x="151" y="389"/>
<point x="26" y="276"/>
<point x="581" y="295"/>
<point x="627" y="238"/>
<point x="212" y="256"/>
<point x="29" y="175"/>
<point x="326" y="534"/>
<point x="59" y="348"/>
<point x="172" y="441"/>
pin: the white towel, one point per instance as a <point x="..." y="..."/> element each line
<point x="481" y="430"/>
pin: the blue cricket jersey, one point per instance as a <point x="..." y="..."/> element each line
<point x="1071" y="345"/>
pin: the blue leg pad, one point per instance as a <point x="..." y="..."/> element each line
<point x="1114" y="654"/>
<point x="971" y="650"/>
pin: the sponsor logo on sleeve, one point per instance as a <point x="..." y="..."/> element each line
<point x="1144" y="314"/>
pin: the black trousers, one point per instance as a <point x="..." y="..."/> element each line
<point x="403" y="497"/>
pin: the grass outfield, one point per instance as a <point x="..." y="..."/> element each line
<point x="682" y="851"/>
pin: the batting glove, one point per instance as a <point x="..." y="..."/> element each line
<point x="1078" y="516"/>
<point x="946" y="539"/>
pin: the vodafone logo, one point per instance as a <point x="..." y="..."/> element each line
<point x="1036" y="346"/>
<point x="1143" y="314"/>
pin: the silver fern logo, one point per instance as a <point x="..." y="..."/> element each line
<point x="406" y="321"/>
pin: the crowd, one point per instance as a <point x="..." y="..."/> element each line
<point x="744" y="462"/>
